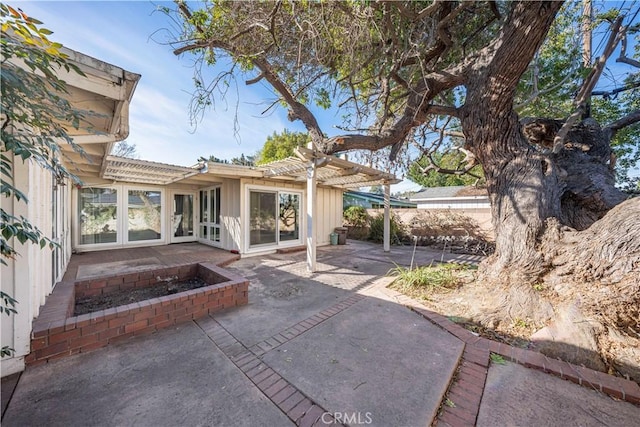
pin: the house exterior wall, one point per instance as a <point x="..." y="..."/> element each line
<point x="329" y="210"/>
<point x="167" y="192"/>
<point x="30" y="277"/>
<point x="230" y="215"/>
<point x="234" y="217"/>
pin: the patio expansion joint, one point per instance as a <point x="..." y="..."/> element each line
<point x="297" y="406"/>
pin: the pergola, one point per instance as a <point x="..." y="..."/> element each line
<point x="320" y="169"/>
<point x="307" y="166"/>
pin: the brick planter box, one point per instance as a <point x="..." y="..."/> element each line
<point x="58" y="333"/>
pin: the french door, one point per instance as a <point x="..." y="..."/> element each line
<point x="182" y="219"/>
<point x="209" y="216"/>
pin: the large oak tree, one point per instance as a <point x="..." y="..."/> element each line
<point x="396" y="68"/>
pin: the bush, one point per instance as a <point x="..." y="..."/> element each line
<point x="448" y="223"/>
<point x="376" y="229"/>
<point x="356" y="216"/>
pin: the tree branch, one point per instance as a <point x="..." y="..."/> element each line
<point x="255" y="79"/>
<point x="607" y="93"/>
<point x="628" y="120"/>
<point x="588" y="85"/>
<point x="298" y="110"/>
<point x="623" y="52"/>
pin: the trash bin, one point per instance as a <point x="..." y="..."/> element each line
<point x="342" y="235"/>
<point x="333" y="237"/>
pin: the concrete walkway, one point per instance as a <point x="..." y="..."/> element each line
<point x="335" y="346"/>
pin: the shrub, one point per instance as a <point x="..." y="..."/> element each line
<point x="356" y="216"/>
<point x="376" y="229"/>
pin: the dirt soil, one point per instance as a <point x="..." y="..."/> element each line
<point x="100" y="302"/>
<point x="457" y="305"/>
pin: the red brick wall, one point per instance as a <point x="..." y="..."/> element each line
<point x="57" y="333"/>
<point x="109" y="284"/>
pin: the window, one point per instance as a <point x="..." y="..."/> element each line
<point x="274" y="217"/>
<point x="98" y="215"/>
<point x="119" y="215"/>
<point x="182" y="215"/>
<point x="144" y="211"/>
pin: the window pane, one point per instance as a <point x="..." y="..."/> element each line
<point x="182" y="215"/>
<point x="203" y="206"/>
<point x="144" y="215"/>
<point x="289" y="220"/>
<point x="214" y="233"/>
<point x="212" y="207"/>
<point x="216" y="215"/>
<point x="262" y="208"/>
<point x="98" y="215"/>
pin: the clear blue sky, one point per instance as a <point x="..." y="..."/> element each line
<point x="131" y="35"/>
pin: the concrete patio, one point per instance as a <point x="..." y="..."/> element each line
<point x="335" y="346"/>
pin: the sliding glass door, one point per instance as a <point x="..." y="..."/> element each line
<point x="288" y="217"/>
<point x="144" y="215"/>
<point x="262" y="228"/>
<point x="274" y="218"/>
<point x="98" y="215"/>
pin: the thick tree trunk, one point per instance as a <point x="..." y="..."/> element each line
<point x="522" y="182"/>
<point x="524" y="191"/>
<point x="561" y="227"/>
<point x="595" y="287"/>
<point x="560" y="259"/>
<point x="567" y="257"/>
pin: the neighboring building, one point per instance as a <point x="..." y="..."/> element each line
<point x="373" y="201"/>
<point x="131" y="203"/>
<point x="454" y="197"/>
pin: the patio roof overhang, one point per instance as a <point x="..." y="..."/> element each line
<point x="146" y="172"/>
<point x="102" y="94"/>
<point x="330" y="171"/>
